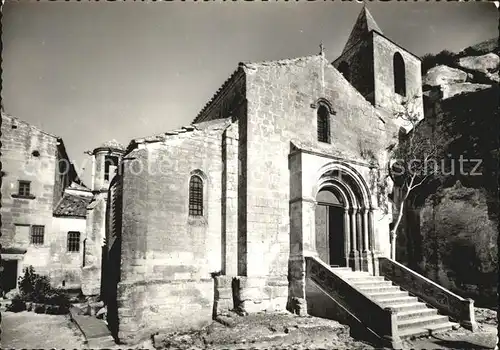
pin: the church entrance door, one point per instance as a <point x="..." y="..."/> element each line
<point x="330" y="228"/>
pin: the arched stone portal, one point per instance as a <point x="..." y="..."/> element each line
<point x="344" y="218"/>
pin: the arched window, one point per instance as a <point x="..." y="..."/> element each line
<point x="323" y="124"/>
<point x="399" y="74"/>
<point x="344" y="69"/>
<point x="195" y="196"/>
<point x="73" y="241"/>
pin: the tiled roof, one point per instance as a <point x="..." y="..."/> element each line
<point x="72" y="205"/>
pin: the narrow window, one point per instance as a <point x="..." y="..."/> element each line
<point x="323" y="124"/>
<point x="344" y="69"/>
<point x="73" y="241"/>
<point x="37" y="233"/>
<point x="24" y="188"/>
<point x="83" y="255"/>
<point x="399" y="74"/>
<point x="195" y="196"/>
<point x="110" y="166"/>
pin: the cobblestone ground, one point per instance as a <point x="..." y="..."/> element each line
<point x="285" y="331"/>
<point x="265" y="331"/>
<point x="29" y="330"/>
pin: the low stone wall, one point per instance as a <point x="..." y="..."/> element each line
<point x="39" y="308"/>
<point x="249" y="294"/>
<point x="432" y="293"/>
<point x="146" y="307"/>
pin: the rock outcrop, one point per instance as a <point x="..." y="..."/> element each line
<point x="451" y="221"/>
<point x="474" y="68"/>
<point x="443" y="75"/>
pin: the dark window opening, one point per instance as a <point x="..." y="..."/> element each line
<point x="24" y="188"/>
<point x="73" y="241"/>
<point x="110" y="166"/>
<point x="35" y="154"/>
<point x="37" y="234"/>
<point x="323" y="124"/>
<point x="399" y="74"/>
<point x="83" y="255"/>
<point x="344" y="69"/>
<point x="195" y="196"/>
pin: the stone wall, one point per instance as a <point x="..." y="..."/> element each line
<point x="33" y="155"/>
<point x="167" y="255"/>
<point x="451" y="227"/>
<point x="280" y="95"/>
<point x="94" y="241"/>
<point x="66" y="267"/>
<point x="385" y="96"/>
<point x="360" y="61"/>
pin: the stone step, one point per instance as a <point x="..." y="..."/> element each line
<point x="377" y="289"/>
<point x="363" y="283"/>
<point x="336" y="268"/>
<point x="427" y="330"/>
<point x="422" y="322"/>
<point x="386" y="295"/>
<point x="414" y="314"/>
<point x="357" y="278"/>
<point x="409" y="306"/>
<point x="392" y="302"/>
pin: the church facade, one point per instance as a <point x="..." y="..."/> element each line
<point x="288" y="160"/>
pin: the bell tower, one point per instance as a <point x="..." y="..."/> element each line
<point x="106" y="159"/>
<point x="382" y="71"/>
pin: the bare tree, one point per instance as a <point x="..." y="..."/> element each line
<point x="414" y="160"/>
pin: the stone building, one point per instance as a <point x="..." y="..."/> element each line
<point x="105" y="160"/>
<point x="282" y="173"/>
<point x="43" y="206"/>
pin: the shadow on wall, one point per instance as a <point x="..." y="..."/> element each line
<point x="458" y="245"/>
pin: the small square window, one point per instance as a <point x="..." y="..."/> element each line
<point x="37" y="234"/>
<point x="73" y="241"/>
<point x="24" y="188"/>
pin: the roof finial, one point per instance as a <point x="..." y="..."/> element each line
<point x="321" y="49"/>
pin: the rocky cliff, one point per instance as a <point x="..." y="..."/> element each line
<point x="451" y="228"/>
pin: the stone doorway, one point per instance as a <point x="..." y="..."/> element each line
<point x="9" y="275"/>
<point x="330" y="240"/>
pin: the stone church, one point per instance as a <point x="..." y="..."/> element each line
<point x="271" y="200"/>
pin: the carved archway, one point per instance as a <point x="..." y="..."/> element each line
<point x="354" y="200"/>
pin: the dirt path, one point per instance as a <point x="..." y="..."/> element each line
<point x="29" y="330"/>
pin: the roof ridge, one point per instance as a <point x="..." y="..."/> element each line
<point x="283" y="60"/>
<point x="365" y="23"/>
<point x="217" y="94"/>
<point x="4" y="114"/>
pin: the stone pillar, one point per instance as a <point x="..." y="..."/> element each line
<point x="367" y="264"/>
<point x="371" y="236"/>
<point x="308" y="227"/>
<point x="347" y="236"/>
<point x="354" y="255"/>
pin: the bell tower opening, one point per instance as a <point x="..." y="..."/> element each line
<point x="330" y="228"/>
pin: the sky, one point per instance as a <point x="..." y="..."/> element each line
<point x="90" y="72"/>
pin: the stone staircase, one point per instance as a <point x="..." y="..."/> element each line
<point x="414" y="318"/>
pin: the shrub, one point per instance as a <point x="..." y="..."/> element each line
<point x="37" y="289"/>
<point x="39" y="309"/>
<point x="17" y="304"/>
<point x="445" y="57"/>
<point x="33" y="286"/>
<point x="57" y="297"/>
